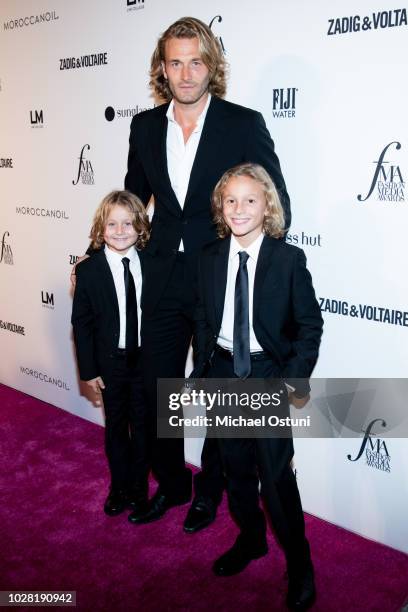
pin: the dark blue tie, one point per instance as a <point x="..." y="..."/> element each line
<point x="241" y="349"/>
<point x="131" y="309"/>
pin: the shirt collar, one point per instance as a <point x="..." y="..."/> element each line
<point x="252" y="249"/>
<point x="200" y="119"/>
<point x="116" y="258"/>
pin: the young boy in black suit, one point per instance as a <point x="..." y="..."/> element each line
<point x="106" y="324"/>
<point x="258" y="316"/>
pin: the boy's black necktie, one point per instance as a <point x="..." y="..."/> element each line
<point x="131" y="309"/>
<point x="241" y="349"/>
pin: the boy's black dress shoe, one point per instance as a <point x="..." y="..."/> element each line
<point x="238" y="557"/>
<point x="302" y="590"/>
<point x="200" y="515"/>
<point x="156" y="508"/>
<point x="137" y="503"/>
<point x="115" y="503"/>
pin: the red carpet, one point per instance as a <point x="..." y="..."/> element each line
<point x="55" y="536"/>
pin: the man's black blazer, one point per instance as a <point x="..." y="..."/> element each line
<point x="95" y="316"/>
<point x="286" y="315"/>
<point x="231" y="135"/>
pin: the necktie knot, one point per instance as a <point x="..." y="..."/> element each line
<point x="243" y="258"/>
<point x="126" y="262"/>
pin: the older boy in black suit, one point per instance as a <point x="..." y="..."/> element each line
<point x="258" y="316"/>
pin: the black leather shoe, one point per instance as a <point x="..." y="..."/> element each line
<point x="156" y="508"/>
<point x="302" y="590"/>
<point x="115" y="503"/>
<point x="200" y="515"/>
<point x="138" y="504"/>
<point x="237" y="558"/>
<point x="137" y="499"/>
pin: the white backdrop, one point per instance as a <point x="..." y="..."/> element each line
<point x="330" y="80"/>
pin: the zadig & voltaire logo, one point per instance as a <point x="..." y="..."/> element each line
<point x="85" y="61"/>
<point x="85" y="170"/>
<point x="387" y="183"/>
<point x="15" y="328"/>
<point x="376" y="452"/>
<point x="375" y="21"/>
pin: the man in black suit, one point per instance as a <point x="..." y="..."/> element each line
<point x="177" y="153"/>
<point x="258" y="317"/>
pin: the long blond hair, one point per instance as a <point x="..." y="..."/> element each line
<point x="210" y="51"/>
<point x="133" y="204"/>
<point x="274" y="220"/>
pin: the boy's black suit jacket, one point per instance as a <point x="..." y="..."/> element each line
<point x="95" y="316"/>
<point x="231" y="135"/>
<point x="286" y="315"/>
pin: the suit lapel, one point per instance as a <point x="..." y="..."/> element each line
<point x="211" y="140"/>
<point x="160" y="156"/>
<point x="264" y="263"/>
<point x="105" y="280"/>
<point x="220" y="272"/>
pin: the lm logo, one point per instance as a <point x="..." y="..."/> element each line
<point x="37" y="118"/>
<point x="47" y="299"/>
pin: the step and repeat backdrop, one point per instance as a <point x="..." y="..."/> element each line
<point x="330" y="80"/>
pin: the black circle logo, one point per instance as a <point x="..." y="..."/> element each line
<point x="109" y="113"/>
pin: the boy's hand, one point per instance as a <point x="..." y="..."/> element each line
<point x="73" y="273"/>
<point x="298" y="402"/>
<point x="96" y="385"/>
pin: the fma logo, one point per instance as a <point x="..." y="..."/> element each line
<point x="6" y="254"/>
<point x="387" y="183"/>
<point x="375" y="451"/>
<point x="37" y="118"/>
<point x="134" y="5"/>
<point x="85" y="170"/>
<point x="284" y="103"/>
<point x="217" y="19"/>
<point x="47" y="299"/>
